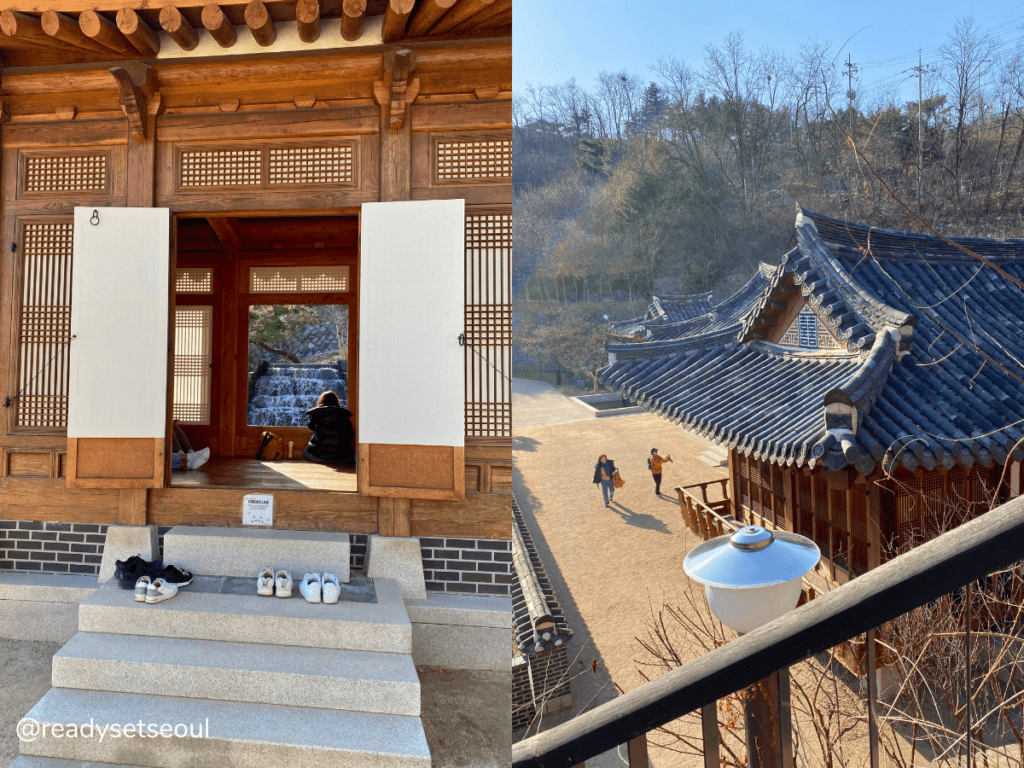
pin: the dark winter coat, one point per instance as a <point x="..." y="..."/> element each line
<point x="332" y="435"/>
<point x="609" y="468"/>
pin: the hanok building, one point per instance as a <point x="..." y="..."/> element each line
<point x="868" y="388"/>
<point x="169" y="170"/>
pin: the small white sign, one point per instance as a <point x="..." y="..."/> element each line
<point x="257" y="509"/>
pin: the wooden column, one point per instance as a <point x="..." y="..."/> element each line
<point x="874" y="522"/>
<point x="789" y="494"/>
<point x="395" y="143"/>
<point x="131" y="506"/>
<point x="393" y="518"/>
<point x="230" y="377"/>
<point x="141" y="176"/>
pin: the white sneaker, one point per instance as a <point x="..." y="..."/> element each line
<point x="160" y="590"/>
<point x="310" y="587"/>
<point x="330" y="589"/>
<point x="265" y="583"/>
<point x="284" y="584"/>
<point x="196" y="459"/>
<point x="140" y="588"/>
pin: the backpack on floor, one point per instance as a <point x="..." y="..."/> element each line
<point x="271" y="446"/>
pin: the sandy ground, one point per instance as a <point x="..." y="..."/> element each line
<point x="609" y="566"/>
<point x="24" y="677"/>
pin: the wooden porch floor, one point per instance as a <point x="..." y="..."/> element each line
<point x="297" y="474"/>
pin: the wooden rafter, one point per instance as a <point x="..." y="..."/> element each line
<point x="459" y="13"/>
<point x="426" y="15"/>
<point x="258" y="19"/>
<point x="396" y="17"/>
<point x="495" y="14"/>
<point x="353" y="13"/>
<point x="102" y="30"/>
<point x="21" y="26"/>
<point x="218" y="25"/>
<point x="134" y="102"/>
<point x="65" y="30"/>
<point x="145" y="40"/>
<point x="178" y="28"/>
<point x="307" y="19"/>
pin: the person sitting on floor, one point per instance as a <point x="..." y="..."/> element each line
<point x="332" y="438"/>
<point x="183" y="457"/>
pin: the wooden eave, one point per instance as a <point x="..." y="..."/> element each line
<point x="98" y="33"/>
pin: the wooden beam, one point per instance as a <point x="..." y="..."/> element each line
<point x="307" y="19"/>
<point x="353" y="14"/>
<point x="426" y="15"/>
<point x="257" y="18"/>
<point x="145" y="40"/>
<point x="226" y="229"/>
<point x="218" y="25"/>
<point x="133" y="101"/>
<point x="64" y="29"/>
<point x="396" y="17"/>
<point x="461" y="11"/>
<point x="178" y="28"/>
<point x="105" y="32"/>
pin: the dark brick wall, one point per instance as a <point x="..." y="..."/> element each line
<point x="468" y="566"/>
<point x="27" y="545"/>
<point x="550" y="672"/>
<point x="357" y="551"/>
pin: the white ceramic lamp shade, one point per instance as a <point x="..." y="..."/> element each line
<point x="753" y="576"/>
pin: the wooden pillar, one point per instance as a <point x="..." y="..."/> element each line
<point x="131" y="506"/>
<point x="141" y="175"/>
<point x="737" y="509"/>
<point x="393" y="518"/>
<point x="230" y="374"/>
<point x="395" y="160"/>
<point x="789" y="493"/>
<point x="874" y="522"/>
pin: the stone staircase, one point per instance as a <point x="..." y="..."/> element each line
<point x="264" y="680"/>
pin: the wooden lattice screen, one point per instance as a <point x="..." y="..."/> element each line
<point x="45" y="325"/>
<point x="194" y="280"/>
<point x="461" y="159"/>
<point x="267" y="166"/>
<point x="305" y="279"/>
<point x="193" y="327"/>
<point x="858" y="531"/>
<point x="840" y="534"/>
<point x="49" y="173"/>
<point x="488" y="324"/>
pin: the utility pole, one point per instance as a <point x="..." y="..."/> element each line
<point x="920" y="133"/>
<point x="850" y="94"/>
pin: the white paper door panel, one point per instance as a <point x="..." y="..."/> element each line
<point x="412" y="276"/>
<point x="119" y="295"/>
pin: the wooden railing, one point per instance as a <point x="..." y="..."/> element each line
<point x="947" y="563"/>
<point x="704" y="517"/>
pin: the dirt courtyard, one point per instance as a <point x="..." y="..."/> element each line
<point x="609" y="566"/>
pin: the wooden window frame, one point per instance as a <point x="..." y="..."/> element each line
<point x="466" y="136"/>
<point x="25" y="154"/>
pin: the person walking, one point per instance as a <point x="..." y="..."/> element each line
<point x="604" y="471"/>
<point x="654" y="464"/>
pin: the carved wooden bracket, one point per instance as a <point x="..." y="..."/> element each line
<point x="397" y="92"/>
<point x="134" y="82"/>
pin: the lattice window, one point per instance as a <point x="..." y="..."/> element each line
<point x="45" y="325"/>
<point x="473" y="160"/>
<point x="192" y="358"/>
<point x="66" y="173"/>
<point x="221" y="167"/>
<point x="488" y="324"/>
<point x="311" y="165"/>
<point x="858" y="532"/>
<point x="194" y="280"/>
<point x="309" y="279"/>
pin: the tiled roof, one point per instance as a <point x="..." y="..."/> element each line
<point x="664" y="310"/>
<point x="538" y="621"/>
<point x="932" y="372"/>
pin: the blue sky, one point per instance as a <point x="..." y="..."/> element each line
<point x="554" y="40"/>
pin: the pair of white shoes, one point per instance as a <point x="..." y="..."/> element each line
<point x="269" y="584"/>
<point x="155" y="590"/>
<point x="315" y="588"/>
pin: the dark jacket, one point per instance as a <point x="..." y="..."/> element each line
<point x="332" y="434"/>
<point x="609" y="468"/>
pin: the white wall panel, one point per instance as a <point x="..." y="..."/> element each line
<point x="119" y="314"/>
<point x="411" y="382"/>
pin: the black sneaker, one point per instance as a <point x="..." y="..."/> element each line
<point x="129" y="571"/>
<point x="174" y="575"/>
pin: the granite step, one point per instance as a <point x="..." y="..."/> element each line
<point x="245" y="552"/>
<point x="248" y="672"/>
<point x="227" y="733"/>
<point x="378" y="623"/>
<point x="32" y="761"/>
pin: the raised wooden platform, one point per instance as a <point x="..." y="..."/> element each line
<point x="296" y="474"/>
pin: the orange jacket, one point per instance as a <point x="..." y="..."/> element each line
<point x="656" y="462"/>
